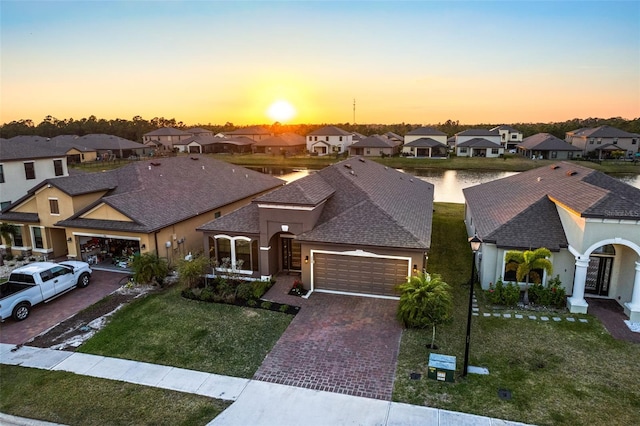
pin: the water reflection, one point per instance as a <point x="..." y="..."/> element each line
<point x="448" y="184"/>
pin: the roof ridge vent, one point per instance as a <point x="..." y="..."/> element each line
<point x="572" y="173"/>
<point x="194" y="158"/>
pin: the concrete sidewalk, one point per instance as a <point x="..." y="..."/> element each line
<point x="255" y="402"/>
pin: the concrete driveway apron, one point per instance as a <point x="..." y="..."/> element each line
<point x="343" y="344"/>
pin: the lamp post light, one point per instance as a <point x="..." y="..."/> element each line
<point x="475" y="243"/>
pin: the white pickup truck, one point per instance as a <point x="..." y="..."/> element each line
<point x="40" y="282"/>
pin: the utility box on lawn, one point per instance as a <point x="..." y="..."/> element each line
<point x="442" y="367"/>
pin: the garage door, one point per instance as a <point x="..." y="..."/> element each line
<point x="357" y="274"/>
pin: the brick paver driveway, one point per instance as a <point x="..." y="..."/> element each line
<point x="45" y="315"/>
<point x="343" y="344"/>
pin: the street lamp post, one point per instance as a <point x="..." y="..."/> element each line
<point x="475" y="243"/>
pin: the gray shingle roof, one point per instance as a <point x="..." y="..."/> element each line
<point x="329" y="131"/>
<point x="167" y="131"/>
<point x="244" y="221"/>
<point x="424" y="143"/>
<point x="479" y="143"/>
<point x="374" y="141"/>
<point x="285" y="139"/>
<point x="29" y="147"/>
<point x="251" y="130"/>
<point x="425" y="131"/>
<point x="311" y="190"/>
<point x="603" y="132"/>
<point x="505" y="127"/>
<point x="173" y="190"/>
<point x="478" y="132"/>
<point x="497" y="206"/>
<point x="546" y="142"/>
<point x="99" y="141"/>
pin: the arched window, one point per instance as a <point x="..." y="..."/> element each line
<point x="607" y="250"/>
<point x="236" y="253"/>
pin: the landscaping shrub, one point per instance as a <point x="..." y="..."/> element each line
<point x="284" y="308"/>
<point x="553" y="294"/>
<point x="244" y="290"/>
<point x="260" y="288"/>
<point x="511" y="294"/>
<point x="265" y="305"/>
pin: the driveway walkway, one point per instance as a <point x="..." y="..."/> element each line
<point x="342" y="344"/>
<point x="46" y="315"/>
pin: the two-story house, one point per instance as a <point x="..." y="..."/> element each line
<point x="478" y="143"/>
<point x="425" y="142"/>
<point x="255" y="133"/>
<point x="146" y="206"/>
<point x="329" y="140"/>
<point x="509" y="137"/>
<point x="163" y="139"/>
<point x="26" y="161"/>
<point x="604" y="141"/>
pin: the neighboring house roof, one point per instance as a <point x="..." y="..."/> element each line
<point x="329" y="131"/>
<point x="251" y="130"/>
<point x="357" y="136"/>
<point x="284" y="139"/>
<point x="238" y="140"/>
<point x="156" y="194"/>
<point x="546" y="142"/>
<point x="507" y="128"/>
<point x="392" y="135"/>
<point x="167" y="131"/>
<point x="198" y="130"/>
<point x="365" y="204"/>
<point x="602" y="132"/>
<point x="520" y="211"/>
<point x="479" y="143"/>
<point x="375" y="141"/>
<point x="99" y="141"/>
<point x="478" y="132"/>
<point x="609" y="147"/>
<point x="425" y="131"/>
<point x="29" y="147"/>
<point x="424" y="143"/>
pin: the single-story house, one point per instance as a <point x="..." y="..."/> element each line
<point x="145" y="206"/>
<point x="544" y="146"/>
<point x="589" y="221"/>
<point x="355" y="227"/>
<point x="479" y="147"/>
<point x="285" y="143"/>
<point x="425" y="147"/>
<point x="232" y="145"/>
<point x="374" y="146"/>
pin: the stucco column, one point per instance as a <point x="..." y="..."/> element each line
<point x="576" y="303"/>
<point x="633" y="307"/>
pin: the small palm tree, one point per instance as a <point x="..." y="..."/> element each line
<point x="524" y="263"/>
<point x="7" y="231"/>
<point x="425" y="300"/>
<point x="149" y="267"/>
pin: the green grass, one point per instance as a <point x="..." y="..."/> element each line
<point x="560" y="373"/>
<point x="170" y="330"/>
<point x="70" y="399"/>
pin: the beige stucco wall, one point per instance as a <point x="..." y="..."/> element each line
<point x="106" y="212"/>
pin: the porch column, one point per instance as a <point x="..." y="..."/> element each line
<point x="633" y="308"/>
<point x="576" y="303"/>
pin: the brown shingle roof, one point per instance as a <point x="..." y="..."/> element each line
<point x="374" y="141"/>
<point x="479" y="143"/>
<point x="546" y="142"/>
<point x="497" y="207"/>
<point x="603" y="132"/>
<point x="285" y="139"/>
<point x="329" y="131"/>
<point x="425" y="131"/>
<point x="424" y="143"/>
<point x="167" y="131"/>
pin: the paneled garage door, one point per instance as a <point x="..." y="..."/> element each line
<point x="357" y="274"/>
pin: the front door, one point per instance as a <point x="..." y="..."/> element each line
<point x="598" y="275"/>
<point x="291" y="254"/>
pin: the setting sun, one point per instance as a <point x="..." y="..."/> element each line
<point x="281" y="111"/>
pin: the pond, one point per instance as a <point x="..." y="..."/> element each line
<point x="448" y="183"/>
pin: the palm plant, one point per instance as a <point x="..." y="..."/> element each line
<point x="524" y="263"/>
<point x="148" y="267"/>
<point x="7" y="231"/>
<point x="425" y="300"/>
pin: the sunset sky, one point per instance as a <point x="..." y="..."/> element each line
<point x="417" y="62"/>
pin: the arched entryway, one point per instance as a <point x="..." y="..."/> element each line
<point x="600" y="270"/>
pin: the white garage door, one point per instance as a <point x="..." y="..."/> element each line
<point x="357" y="274"/>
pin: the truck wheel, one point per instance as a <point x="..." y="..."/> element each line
<point x="83" y="281"/>
<point x="21" y="312"/>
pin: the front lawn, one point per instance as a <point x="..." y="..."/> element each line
<point x="171" y="330"/>
<point x="68" y="398"/>
<point x="559" y="373"/>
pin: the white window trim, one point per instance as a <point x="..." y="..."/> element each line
<point x="522" y="283"/>
<point x="233" y="253"/>
<point x="58" y="201"/>
<point x="33" y="237"/>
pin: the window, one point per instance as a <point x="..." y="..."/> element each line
<point x="37" y="238"/>
<point x="554" y="154"/>
<point x="53" y="206"/>
<point x="463" y="150"/>
<point x="326" y="138"/>
<point x="237" y="253"/>
<point x="17" y="237"/>
<point x="590" y="141"/>
<point x="368" y="151"/>
<point x="217" y="215"/>
<point x="633" y="142"/>
<point x="315" y="138"/>
<point x="494" y="151"/>
<point x="537" y="275"/>
<point x="340" y="138"/>
<point x="615" y="141"/>
<point x="57" y="167"/>
<point x="1" y="174"/>
<point x="514" y="136"/>
<point x="29" y="171"/>
<point x="504" y="136"/>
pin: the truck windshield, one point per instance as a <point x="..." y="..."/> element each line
<point x="22" y="278"/>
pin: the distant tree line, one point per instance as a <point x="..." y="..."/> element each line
<point x="135" y="128"/>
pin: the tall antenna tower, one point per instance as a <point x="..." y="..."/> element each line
<point x="354" y="111"/>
